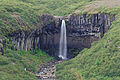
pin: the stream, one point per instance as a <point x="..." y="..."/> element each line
<point x="47" y="70"/>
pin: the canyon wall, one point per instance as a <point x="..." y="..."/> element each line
<point x="82" y="30"/>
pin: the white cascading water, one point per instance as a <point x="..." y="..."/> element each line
<point x="63" y="42"/>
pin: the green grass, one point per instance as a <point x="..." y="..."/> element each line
<point x="101" y="61"/>
<point x="28" y="12"/>
<point x="13" y="63"/>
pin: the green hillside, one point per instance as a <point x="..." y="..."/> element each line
<point x="28" y="12"/>
<point x="100" y="62"/>
<point x="14" y="63"/>
<point x="54" y="7"/>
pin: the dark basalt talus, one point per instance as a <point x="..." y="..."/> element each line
<point x="82" y="30"/>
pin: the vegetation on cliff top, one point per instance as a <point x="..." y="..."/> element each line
<point x="24" y="14"/>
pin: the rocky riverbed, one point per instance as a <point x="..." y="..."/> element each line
<point x="47" y="70"/>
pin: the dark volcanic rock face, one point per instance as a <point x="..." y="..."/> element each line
<point x="85" y="29"/>
<point x="90" y="24"/>
<point x="82" y="30"/>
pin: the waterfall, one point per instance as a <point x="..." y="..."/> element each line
<point x="63" y="42"/>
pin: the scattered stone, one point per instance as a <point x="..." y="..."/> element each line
<point x="47" y="71"/>
<point x="119" y="47"/>
<point x="25" y="69"/>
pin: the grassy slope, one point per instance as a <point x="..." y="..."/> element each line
<point x="101" y="61"/>
<point x="28" y="11"/>
<point x="13" y="63"/>
<point x="14" y="13"/>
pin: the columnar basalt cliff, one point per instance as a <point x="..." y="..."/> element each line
<point x="82" y="30"/>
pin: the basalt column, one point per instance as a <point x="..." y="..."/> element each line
<point x="81" y="31"/>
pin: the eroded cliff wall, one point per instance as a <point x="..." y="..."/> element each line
<point x="82" y="30"/>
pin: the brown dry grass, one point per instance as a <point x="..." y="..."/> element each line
<point x="100" y="3"/>
<point x="78" y="75"/>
